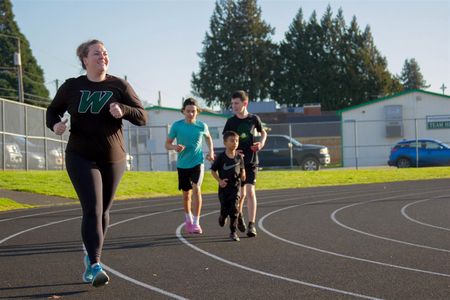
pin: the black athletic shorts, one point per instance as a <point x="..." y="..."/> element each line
<point x="187" y="177"/>
<point x="250" y="174"/>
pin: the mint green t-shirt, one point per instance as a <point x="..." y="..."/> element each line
<point x="191" y="136"/>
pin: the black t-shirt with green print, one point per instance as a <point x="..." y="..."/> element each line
<point x="94" y="133"/>
<point x="245" y="128"/>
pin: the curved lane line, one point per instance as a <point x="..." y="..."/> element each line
<point x="260" y="224"/>
<point x="142" y="284"/>
<point x="123" y="221"/>
<point x="79" y="208"/>
<point x="335" y="220"/>
<point x="117" y="273"/>
<point x="417" y="221"/>
<point x="223" y="260"/>
<point x="124" y="203"/>
<point x="38" y="214"/>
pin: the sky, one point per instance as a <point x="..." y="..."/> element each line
<point x="155" y="43"/>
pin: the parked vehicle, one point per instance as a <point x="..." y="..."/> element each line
<point x="36" y="154"/>
<point x="430" y="152"/>
<point x="129" y="159"/>
<point x="280" y="149"/>
<point x="13" y="157"/>
<point x="55" y="159"/>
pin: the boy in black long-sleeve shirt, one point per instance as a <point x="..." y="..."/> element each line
<point x="228" y="169"/>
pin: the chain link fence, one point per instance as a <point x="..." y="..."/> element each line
<point x="369" y="142"/>
<point x="26" y="143"/>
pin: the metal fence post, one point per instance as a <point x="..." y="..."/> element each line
<point x="417" y="142"/>
<point x="25" y="111"/>
<point x="150" y="156"/>
<point x="291" y="154"/>
<point x="3" y="136"/>
<point x="137" y="148"/>
<point x="45" y="141"/>
<point x="356" y="142"/>
<point x="168" y="151"/>
<point x="129" y="144"/>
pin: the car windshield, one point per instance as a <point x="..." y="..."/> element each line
<point x="443" y="144"/>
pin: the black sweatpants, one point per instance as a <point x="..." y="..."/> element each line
<point x="95" y="184"/>
<point x="229" y="199"/>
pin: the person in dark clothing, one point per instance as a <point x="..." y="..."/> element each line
<point x="228" y="169"/>
<point x="246" y="125"/>
<point x="95" y="154"/>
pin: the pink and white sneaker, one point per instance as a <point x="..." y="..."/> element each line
<point x="197" y="229"/>
<point x="188" y="226"/>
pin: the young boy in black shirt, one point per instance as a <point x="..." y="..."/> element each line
<point x="228" y="169"/>
<point x="245" y="124"/>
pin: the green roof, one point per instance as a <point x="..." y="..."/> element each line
<point x="206" y="113"/>
<point x="339" y="112"/>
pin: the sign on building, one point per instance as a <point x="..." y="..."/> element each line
<point x="438" y="122"/>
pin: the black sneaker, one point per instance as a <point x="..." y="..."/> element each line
<point x="234" y="237"/>
<point x="251" y="232"/>
<point x="222" y="220"/>
<point x="241" y="223"/>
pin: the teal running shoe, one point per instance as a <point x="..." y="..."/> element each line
<point x="87" y="275"/>
<point x="100" y="276"/>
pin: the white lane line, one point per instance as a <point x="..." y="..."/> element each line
<point x="417" y="221"/>
<point x="335" y="220"/>
<point x="131" y="208"/>
<point x="79" y="208"/>
<point x="208" y="197"/>
<point x="121" y="203"/>
<point x="123" y="276"/>
<point x="36" y="227"/>
<point x="228" y="262"/>
<point x="142" y="284"/>
<point x="261" y="225"/>
<point x="39" y="214"/>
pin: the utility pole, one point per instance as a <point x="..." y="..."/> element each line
<point x="18" y="64"/>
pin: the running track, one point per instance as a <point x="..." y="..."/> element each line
<point x="378" y="241"/>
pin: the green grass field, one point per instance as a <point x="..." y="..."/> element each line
<point x="154" y="184"/>
<point x="8" y="204"/>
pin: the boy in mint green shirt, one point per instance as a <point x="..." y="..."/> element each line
<point x="189" y="133"/>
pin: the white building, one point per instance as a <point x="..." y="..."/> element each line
<point x="146" y="144"/>
<point x="369" y="130"/>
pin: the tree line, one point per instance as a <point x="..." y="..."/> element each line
<point x="321" y="60"/>
<point x="11" y="38"/>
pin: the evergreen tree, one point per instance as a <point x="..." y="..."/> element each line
<point x="34" y="88"/>
<point x="289" y="73"/>
<point x="237" y="54"/>
<point x="330" y="75"/>
<point x="330" y="63"/>
<point x="352" y="65"/>
<point x="411" y="78"/>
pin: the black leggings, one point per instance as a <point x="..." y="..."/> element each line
<point x="95" y="184"/>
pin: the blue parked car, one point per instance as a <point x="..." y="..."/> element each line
<point x="430" y="152"/>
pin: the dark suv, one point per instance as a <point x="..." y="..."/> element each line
<point x="277" y="153"/>
<point x="278" y="149"/>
